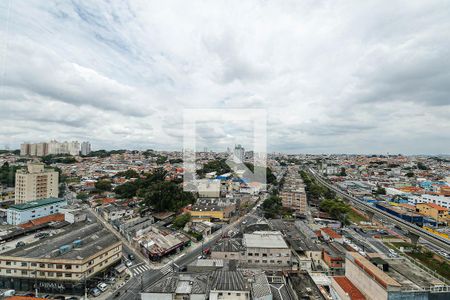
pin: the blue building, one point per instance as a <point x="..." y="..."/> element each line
<point x="22" y="213"/>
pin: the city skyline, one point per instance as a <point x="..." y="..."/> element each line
<point x="333" y="77"/>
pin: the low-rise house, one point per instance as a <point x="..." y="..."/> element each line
<point x="155" y="243"/>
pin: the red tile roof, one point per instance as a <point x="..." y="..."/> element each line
<point x="436" y="206"/>
<point x="43" y="220"/>
<point x="331" y="233"/>
<point x="349" y="288"/>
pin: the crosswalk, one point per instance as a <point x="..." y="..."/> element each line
<point x="167" y="269"/>
<point x="140" y="269"/>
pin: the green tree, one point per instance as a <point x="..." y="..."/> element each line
<point x="82" y="196"/>
<point x="181" y="220"/>
<point x="130" y="173"/>
<point x="167" y="196"/>
<point x="103" y="185"/>
<point x="342" y="172"/>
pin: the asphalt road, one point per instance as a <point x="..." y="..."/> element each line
<point x="131" y="290"/>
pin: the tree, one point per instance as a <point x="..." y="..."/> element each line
<point x="410" y="174"/>
<point x="219" y="166"/>
<point x="336" y="209"/>
<point x="342" y="173"/>
<point x="130" y="173"/>
<point x="103" y="185"/>
<point x="181" y="220"/>
<point x="167" y="196"/>
<point x="82" y="196"/>
<point x="421" y="166"/>
<point x="380" y="190"/>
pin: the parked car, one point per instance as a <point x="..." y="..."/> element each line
<point x="20" y="244"/>
<point x="130" y="256"/>
<point x="102" y="286"/>
<point x="111" y="280"/>
<point x="128" y="263"/>
<point x="95" y="292"/>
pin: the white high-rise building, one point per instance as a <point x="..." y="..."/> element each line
<point x="35" y="182"/>
<point x="239" y="152"/>
<point x="85" y="148"/>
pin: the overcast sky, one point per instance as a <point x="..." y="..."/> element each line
<point x="333" y="76"/>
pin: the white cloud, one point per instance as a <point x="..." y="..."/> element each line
<point x="333" y="76"/>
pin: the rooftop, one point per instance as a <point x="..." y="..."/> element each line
<point x="228" y="281"/>
<point x="93" y="237"/>
<point x="349" y="288"/>
<point x="180" y="284"/>
<point x="36" y="203"/>
<point x="264" y="239"/>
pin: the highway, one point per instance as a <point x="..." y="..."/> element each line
<point x="411" y="228"/>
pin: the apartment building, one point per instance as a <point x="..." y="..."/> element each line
<point x="294" y="199"/>
<point x="293" y="195"/>
<point x="61" y="262"/>
<point x="35" y="183"/>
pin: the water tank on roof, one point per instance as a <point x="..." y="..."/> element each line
<point x="64" y="249"/>
<point x="77" y="243"/>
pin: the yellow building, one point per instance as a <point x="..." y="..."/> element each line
<point x="434" y="211"/>
<point x="35" y="183"/>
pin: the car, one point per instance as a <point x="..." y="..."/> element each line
<point x="8" y="293"/>
<point x="20" y="244"/>
<point x="95" y="292"/>
<point x="111" y="279"/>
<point x="128" y="263"/>
<point x="72" y="298"/>
<point x="130" y="256"/>
<point x="102" y="286"/>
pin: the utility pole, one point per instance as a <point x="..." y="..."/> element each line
<point x="85" y="287"/>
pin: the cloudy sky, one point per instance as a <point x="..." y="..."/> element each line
<point x="333" y="76"/>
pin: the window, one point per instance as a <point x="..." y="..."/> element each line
<point x="50" y="274"/>
<point x="33" y="264"/>
<point x="68" y="267"/>
<point x="24" y="272"/>
<point x="59" y="266"/>
<point x="24" y="264"/>
<point x="264" y="255"/>
<point x="67" y="275"/>
<point x="59" y="274"/>
<point x="250" y="254"/>
<point x="8" y="271"/>
<point x="41" y="265"/>
<point x="50" y="266"/>
<point x="8" y="263"/>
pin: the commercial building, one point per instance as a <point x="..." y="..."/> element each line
<point x="22" y="213"/>
<point x="437" y="212"/>
<point x="60" y="263"/>
<point x="394" y="279"/>
<point x="266" y="248"/>
<point x="213" y="209"/>
<point x="35" y="183"/>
